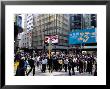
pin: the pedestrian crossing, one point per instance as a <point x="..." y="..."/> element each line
<point x="57" y="73"/>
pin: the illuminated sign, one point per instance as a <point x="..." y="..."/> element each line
<point x="54" y="39"/>
<point x="82" y="36"/>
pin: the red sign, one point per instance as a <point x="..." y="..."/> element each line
<point x="54" y="39"/>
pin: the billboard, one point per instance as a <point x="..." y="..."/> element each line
<point x="54" y="39"/>
<point x="82" y="36"/>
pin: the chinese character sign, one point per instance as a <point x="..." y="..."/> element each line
<point x="82" y="36"/>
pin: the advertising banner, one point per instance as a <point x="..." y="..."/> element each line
<point x="54" y="39"/>
<point x="82" y="36"/>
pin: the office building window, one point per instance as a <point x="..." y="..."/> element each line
<point x="31" y="19"/>
<point x="73" y="18"/>
<point x="27" y="21"/>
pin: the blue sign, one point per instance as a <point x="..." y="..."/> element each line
<point x="82" y="36"/>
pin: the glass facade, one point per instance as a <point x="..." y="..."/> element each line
<point x="82" y="21"/>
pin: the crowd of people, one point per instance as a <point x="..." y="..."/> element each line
<point x="57" y="62"/>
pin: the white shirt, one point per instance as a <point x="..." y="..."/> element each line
<point x="38" y="58"/>
<point x="44" y="61"/>
<point x="33" y="58"/>
<point x="66" y="61"/>
<point x="75" y="59"/>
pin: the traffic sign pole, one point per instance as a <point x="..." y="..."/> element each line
<point x="50" y="44"/>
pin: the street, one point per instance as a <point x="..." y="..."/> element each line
<point x="54" y="73"/>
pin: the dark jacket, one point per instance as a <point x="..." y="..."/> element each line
<point x="20" y="70"/>
<point x="31" y="63"/>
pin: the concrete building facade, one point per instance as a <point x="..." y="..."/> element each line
<point x="51" y="24"/>
<point x="86" y="21"/>
<point x="82" y="21"/>
<point x="24" y="40"/>
<point x="26" y="35"/>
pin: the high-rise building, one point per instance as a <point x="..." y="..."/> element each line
<point x="28" y="28"/>
<point x="17" y="29"/>
<point x="51" y="24"/>
<point x="24" y="40"/>
<point x="29" y="19"/>
<point x="17" y="24"/>
<point x="86" y="23"/>
<point x="93" y="20"/>
<point x="82" y="21"/>
<point x="76" y="21"/>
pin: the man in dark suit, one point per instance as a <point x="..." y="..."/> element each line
<point x="31" y="63"/>
<point x="50" y="64"/>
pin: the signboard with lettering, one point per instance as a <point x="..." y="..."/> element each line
<point x="82" y="36"/>
<point x="54" y="39"/>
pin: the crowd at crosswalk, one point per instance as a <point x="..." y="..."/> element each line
<point x="25" y="63"/>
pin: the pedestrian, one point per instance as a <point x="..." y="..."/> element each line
<point x="21" y="68"/>
<point x="26" y="64"/>
<point x="89" y="66"/>
<point x="73" y="65"/>
<point x="85" y="65"/>
<point x="65" y="64"/>
<point x="80" y="66"/>
<point x="77" y="63"/>
<point x="95" y="72"/>
<point x="32" y="66"/>
<point x="44" y="63"/>
<point x="55" y="63"/>
<point x="60" y="61"/>
<point x="38" y="61"/>
<point x="70" y="66"/>
<point x="50" y="65"/>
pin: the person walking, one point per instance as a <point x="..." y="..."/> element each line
<point x="73" y="65"/>
<point x="89" y="65"/>
<point x="38" y="61"/>
<point x="60" y="61"/>
<point x="70" y="66"/>
<point x="95" y="72"/>
<point x="65" y="64"/>
<point x="80" y="66"/>
<point x="32" y="65"/>
<point x="50" y="65"/>
<point x="44" y="63"/>
<point x="21" y="68"/>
